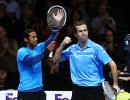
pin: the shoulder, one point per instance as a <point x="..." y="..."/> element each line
<point x="22" y="49"/>
<point x="96" y="46"/>
<point x="72" y="46"/>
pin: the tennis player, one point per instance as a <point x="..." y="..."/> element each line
<point x="29" y="64"/>
<point x="86" y="60"/>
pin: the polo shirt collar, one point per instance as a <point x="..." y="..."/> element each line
<point x="88" y="45"/>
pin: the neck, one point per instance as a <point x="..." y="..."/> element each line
<point x="31" y="47"/>
<point x="82" y="43"/>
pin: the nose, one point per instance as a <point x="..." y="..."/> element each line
<point x="84" y="33"/>
<point x="36" y="39"/>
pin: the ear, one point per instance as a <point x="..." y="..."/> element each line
<point x="26" y="40"/>
<point x="76" y="35"/>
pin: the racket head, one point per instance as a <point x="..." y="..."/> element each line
<point x="52" y="23"/>
<point x="108" y="91"/>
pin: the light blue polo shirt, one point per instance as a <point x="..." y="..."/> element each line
<point x="86" y="64"/>
<point x="30" y="76"/>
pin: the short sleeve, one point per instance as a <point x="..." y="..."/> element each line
<point x="21" y="54"/>
<point x="66" y="53"/>
<point x="102" y="55"/>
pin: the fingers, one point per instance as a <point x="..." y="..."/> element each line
<point x="124" y="78"/>
<point x="51" y="46"/>
<point x="67" y="40"/>
<point x="117" y="89"/>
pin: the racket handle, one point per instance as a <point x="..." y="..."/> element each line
<point x="51" y="54"/>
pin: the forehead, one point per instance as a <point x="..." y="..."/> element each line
<point x="81" y="27"/>
<point x="32" y="34"/>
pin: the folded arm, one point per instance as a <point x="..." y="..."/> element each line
<point x="31" y="60"/>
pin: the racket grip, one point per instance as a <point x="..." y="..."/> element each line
<point x="51" y="54"/>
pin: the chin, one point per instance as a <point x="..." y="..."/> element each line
<point x="35" y="44"/>
<point x="84" y="39"/>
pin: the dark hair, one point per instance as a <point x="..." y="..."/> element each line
<point x="26" y="33"/>
<point x="78" y="23"/>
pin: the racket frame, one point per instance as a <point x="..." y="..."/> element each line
<point x="65" y="15"/>
<point x="106" y="92"/>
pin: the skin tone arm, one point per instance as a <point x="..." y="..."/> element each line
<point x="113" y="67"/>
<point x="57" y="57"/>
<point x="125" y="78"/>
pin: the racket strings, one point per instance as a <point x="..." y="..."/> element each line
<point x="53" y="12"/>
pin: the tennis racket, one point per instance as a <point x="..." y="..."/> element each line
<point x="56" y="19"/>
<point x="108" y="91"/>
<point x="120" y="74"/>
<point x="124" y="74"/>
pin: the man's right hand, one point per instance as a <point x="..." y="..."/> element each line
<point x="51" y="46"/>
<point x="66" y="40"/>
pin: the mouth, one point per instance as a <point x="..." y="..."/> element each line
<point x="84" y="37"/>
<point x="35" y="43"/>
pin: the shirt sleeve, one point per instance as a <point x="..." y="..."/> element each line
<point x="102" y="55"/>
<point x="31" y="60"/>
<point x="51" y="38"/>
<point x="41" y="46"/>
<point x="66" y="53"/>
<point x="21" y="54"/>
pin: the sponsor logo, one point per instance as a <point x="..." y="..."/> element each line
<point x="9" y="96"/>
<point x="60" y="97"/>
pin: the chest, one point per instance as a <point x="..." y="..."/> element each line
<point x="83" y="55"/>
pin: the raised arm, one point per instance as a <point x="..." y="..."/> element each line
<point x="51" y="38"/>
<point x="57" y="57"/>
<point x="31" y="60"/>
<point x="58" y="16"/>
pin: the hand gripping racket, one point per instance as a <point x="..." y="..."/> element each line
<point x="108" y="91"/>
<point x="56" y="19"/>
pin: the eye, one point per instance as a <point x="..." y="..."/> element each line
<point x="79" y="31"/>
<point x="85" y="30"/>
